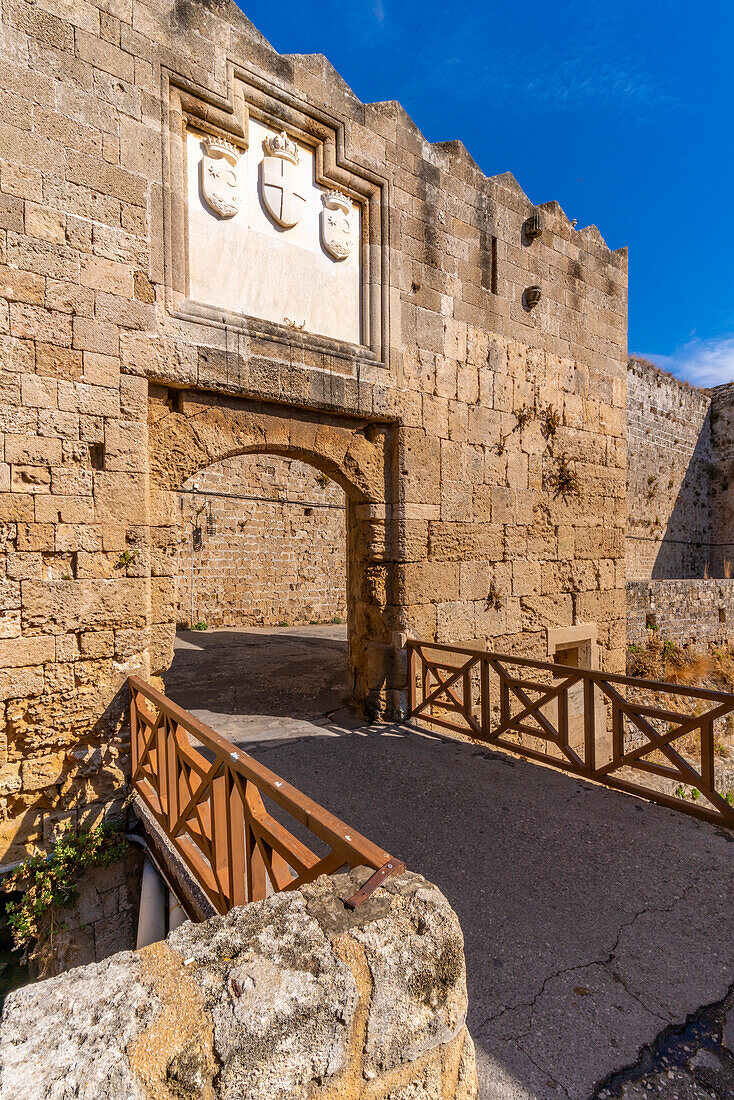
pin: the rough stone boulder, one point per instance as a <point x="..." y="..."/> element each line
<point x="295" y="997"/>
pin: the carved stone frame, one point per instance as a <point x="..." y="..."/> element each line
<point x="189" y="105"/>
<point x="582" y="637"/>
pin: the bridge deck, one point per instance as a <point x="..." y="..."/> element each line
<point x="592" y="919"/>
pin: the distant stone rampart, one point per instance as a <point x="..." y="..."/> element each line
<point x="680" y="508"/>
<point x="698" y="613"/>
<point x="680" y="464"/>
<point x="668" y="476"/>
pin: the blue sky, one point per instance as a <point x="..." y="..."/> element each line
<point x="622" y="111"/>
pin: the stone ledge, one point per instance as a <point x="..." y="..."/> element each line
<point x="292" y="997"/>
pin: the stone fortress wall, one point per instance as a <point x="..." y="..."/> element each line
<point x="669" y="462"/>
<point x="477" y="427"/>
<point x="680" y="529"/>
<point x="265" y="562"/>
<point x="264" y="539"/>
<point x="697" y="612"/>
<point x="722" y="433"/>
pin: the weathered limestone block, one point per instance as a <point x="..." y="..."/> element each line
<point x="89" y="1054"/>
<point x="292" y="997"/>
<point x="55" y="607"/>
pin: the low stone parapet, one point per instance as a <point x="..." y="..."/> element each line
<point x="295" y="996"/>
<point x="696" y="612"/>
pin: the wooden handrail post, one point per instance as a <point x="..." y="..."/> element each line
<point x="707" y="756"/>
<point x="486" y="711"/>
<point x="134" y="731"/>
<point x="589" y="725"/>
<point x="412" y="678"/>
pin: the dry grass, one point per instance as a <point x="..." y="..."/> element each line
<point x="667" y="662"/>
<point x="674" y="664"/>
<point x="690" y="670"/>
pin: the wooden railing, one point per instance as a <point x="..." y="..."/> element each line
<point x="209" y="802"/>
<point x="666" y="742"/>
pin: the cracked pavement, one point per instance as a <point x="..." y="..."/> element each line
<point x="693" y="1060"/>
<point x="592" y="920"/>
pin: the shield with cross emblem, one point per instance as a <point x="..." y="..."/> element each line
<point x="282" y="192"/>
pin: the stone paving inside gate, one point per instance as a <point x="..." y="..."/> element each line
<point x="593" y="920"/>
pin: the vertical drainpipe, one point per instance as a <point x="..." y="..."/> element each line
<point x="152" y="916"/>
<point x="176" y="914"/>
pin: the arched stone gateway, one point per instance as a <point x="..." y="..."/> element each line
<point x="189" y="430"/>
<point x="220" y="250"/>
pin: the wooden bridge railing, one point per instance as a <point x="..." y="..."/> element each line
<point x="640" y="736"/>
<point x="209" y="803"/>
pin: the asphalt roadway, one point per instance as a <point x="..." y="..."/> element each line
<point x="596" y="925"/>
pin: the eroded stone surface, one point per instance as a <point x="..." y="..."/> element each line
<point x="67" y="1037"/>
<point x="281" y="1001"/>
<point x="416" y="958"/>
<point x="269" y="1002"/>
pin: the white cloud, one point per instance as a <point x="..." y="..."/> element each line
<point x="701" y="362"/>
<point x="378" y="11"/>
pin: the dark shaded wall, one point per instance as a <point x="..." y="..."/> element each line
<point x="670" y="480"/>
<point x="722" y="481"/>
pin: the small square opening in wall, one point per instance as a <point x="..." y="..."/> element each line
<point x="722" y="615"/>
<point x="96" y="456"/>
<point x="651" y="622"/>
<point x="574" y="646"/>
<point x="569" y="655"/>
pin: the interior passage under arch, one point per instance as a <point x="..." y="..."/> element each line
<point x="262" y="609"/>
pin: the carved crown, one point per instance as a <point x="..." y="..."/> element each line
<point x="280" y="145"/>
<point x="334" y="200"/>
<point x="220" y="147"/>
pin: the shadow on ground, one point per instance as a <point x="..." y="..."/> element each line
<point x="298" y="673"/>
<point x="592" y="920"/>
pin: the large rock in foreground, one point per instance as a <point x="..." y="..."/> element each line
<point x="292" y="997"/>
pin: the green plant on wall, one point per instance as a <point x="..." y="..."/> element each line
<point x="50" y="884"/>
<point x="550" y="420"/>
<point x="494" y="597"/>
<point x="524" y="415"/>
<point x="127" y="557"/>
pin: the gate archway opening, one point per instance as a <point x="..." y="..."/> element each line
<point x="190" y="431"/>
<point x="262" y="608"/>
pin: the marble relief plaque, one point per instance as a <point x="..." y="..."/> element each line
<point x="266" y="241"/>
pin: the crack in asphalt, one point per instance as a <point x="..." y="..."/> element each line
<point x="604" y="963"/>
<point x="675" y="1052"/>
<point x="542" y="1069"/>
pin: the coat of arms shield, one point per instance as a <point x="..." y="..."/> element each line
<point x="219" y="179"/>
<point x="282" y="191"/>
<point x="336" y="225"/>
